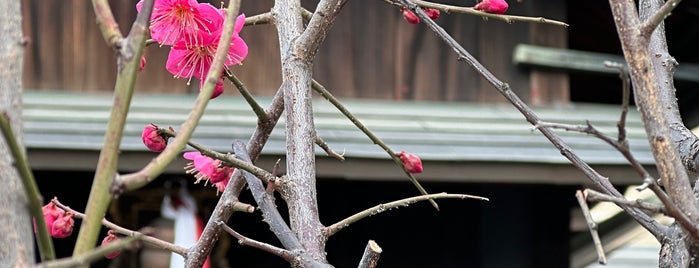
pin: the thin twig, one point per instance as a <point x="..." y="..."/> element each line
<point x="649" y="25"/>
<point x="655" y="228"/>
<point x="259" y="111"/>
<point x="263" y="18"/>
<point x="280" y="252"/>
<point x="601" y="257"/>
<point x="332" y="229"/>
<point x="107" y="24"/>
<point x="470" y="11"/>
<point x="228" y="159"/>
<point x="334" y="101"/>
<point x="31" y="189"/>
<point x="595" y="196"/>
<point x="322" y="144"/>
<point x="371" y="255"/>
<point x="91" y="256"/>
<point x="121" y="230"/>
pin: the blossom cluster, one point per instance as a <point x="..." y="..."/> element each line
<point x="193" y="31"/>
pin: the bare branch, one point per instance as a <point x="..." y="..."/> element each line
<point x="322" y="144"/>
<point x="31" y="189"/>
<point x="594" y="196"/>
<point x="271" y="215"/>
<point x="659" y="16"/>
<point x="656" y="116"/>
<point x="335" y="102"/>
<point x="282" y="253"/>
<point x="372" y="252"/>
<point x="128" y="60"/>
<point x="91" y="256"/>
<point x="107" y="24"/>
<point x="601" y="257"/>
<point x="226" y="158"/>
<point x="141" y="235"/>
<point x="332" y="229"/>
<point x="597" y="179"/>
<point x="470" y="11"/>
<point x="263" y="18"/>
<point x="259" y="111"/>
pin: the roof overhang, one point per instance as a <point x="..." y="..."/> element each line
<point x="458" y="142"/>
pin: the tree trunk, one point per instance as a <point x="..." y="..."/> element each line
<point x="15" y="221"/>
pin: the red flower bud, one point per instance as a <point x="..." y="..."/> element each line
<point x="432" y="13"/>
<point x="63" y="226"/>
<point x="492" y="6"/>
<point x="142" y="64"/>
<point x="111" y="237"/>
<point x="153" y="139"/>
<point x="51" y="213"/>
<point x="411" y="162"/>
<point x="410" y="16"/>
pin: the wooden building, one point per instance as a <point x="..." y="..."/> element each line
<point x="405" y="85"/>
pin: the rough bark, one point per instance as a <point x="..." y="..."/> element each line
<point x="15" y="220"/>
<point x="300" y="132"/>
<point x="673" y="145"/>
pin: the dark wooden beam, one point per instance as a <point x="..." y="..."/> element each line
<point x="584" y="61"/>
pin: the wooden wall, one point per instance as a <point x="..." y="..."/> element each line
<point x="371" y="52"/>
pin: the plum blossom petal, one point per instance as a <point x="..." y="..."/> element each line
<point x="186" y="20"/>
<point x="207" y="169"/>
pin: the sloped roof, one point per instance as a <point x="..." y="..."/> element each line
<point x="436" y="131"/>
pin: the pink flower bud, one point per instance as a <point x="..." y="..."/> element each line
<point x="51" y="213"/>
<point x="142" y="64"/>
<point x="411" y="162"/>
<point x="153" y="139"/>
<point x="111" y="237"/>
<point x="492" y="6"/>
<point x="410" y="16"/>
<point x="432" y="13"/>
<point x="63" y="226"/>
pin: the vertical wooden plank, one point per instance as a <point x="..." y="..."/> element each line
<point x="496" y="45"/>
<point x="549" y="86"/>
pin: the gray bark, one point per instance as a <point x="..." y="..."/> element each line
<point x="16" y="237"/>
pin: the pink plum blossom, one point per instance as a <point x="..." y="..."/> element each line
<point x="183" y="20"/>
<point x="492" y="6"/>
<point x="189" y="61"/>
<point x="206" y="168"/>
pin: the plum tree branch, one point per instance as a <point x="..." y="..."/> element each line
<point x="504" y="89"/>
<point x="34" y="197"/>
<point x="653" y="110"/>
<point x="470" y="11"/>
<point x="128" y="60"/>
<point x="280" y="252"/>
<point x="320" y="89"/>
<point x="592" y="226"/>
<point x="334" y="228"/>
